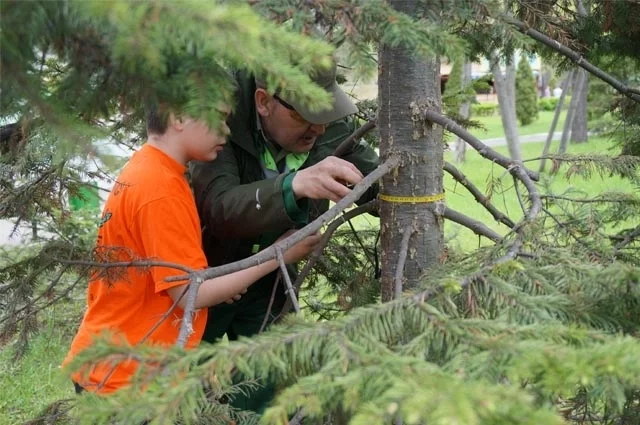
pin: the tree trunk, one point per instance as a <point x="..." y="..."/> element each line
<point x="407" y="85"/>
<point x="505" y="85"/>
<point x="571" y="113"/>
<point x="465" y="108"/>
<point x="556" y="116"/>
<point x="579" y="127"/>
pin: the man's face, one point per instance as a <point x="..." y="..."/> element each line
<point x="288" y="129"/>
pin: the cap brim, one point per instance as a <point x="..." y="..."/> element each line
<point x="342" y="107"/>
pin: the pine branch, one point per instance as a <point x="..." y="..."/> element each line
<point x="270" y="253"/>
<point x="478" y="227"/>
<point x="630" y="237"/>
<point x="574" y="57"/>
<point x="477" y="194"/>
<point x="326" y="237"/>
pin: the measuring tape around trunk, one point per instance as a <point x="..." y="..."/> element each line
<point x="411" y="199"/>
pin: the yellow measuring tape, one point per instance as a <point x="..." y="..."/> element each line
<point x="411" y="199"/>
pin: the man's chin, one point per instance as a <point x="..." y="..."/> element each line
<point x="304" y="145"/>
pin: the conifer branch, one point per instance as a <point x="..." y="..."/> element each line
<point x="402" y="258"/>
<point x="477" y="194"/>
<point x="630" y="237"/>
<point x="368" y="207"/>
<point x="575" y="57"/>
<point x="478" y="227"/>
<point x="270" y="253"/>
<point x="271" y="300"/>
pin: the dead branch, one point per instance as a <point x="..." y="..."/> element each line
<point x="270" y="306"/>
<point x="478" y="227"/>
<point x="450" y="125"/>
<point x="575" y="57"/>
<point x="402" y="258"/>
<point x="287" y="281"/>
<point x="356" y="135"/>
<point x="186" y="327"/>
<point x="631" y="236"/>
<point x="309" y="229"/>
<point x="518" y="171"/>
<point x="478" y="195"/>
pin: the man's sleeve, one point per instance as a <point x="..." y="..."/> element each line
<point x="169" y="233"/>
<point x="230" y="209"/>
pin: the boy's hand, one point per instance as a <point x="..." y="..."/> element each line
<point x="236" y="297"/>
<point x="302" y="248"/>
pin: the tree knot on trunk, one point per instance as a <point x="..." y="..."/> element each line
<point x="418" y="117"/>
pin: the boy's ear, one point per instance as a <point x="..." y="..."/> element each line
<point x="175" y="122"/>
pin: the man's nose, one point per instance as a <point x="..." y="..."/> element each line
<point x="318" y="129"/>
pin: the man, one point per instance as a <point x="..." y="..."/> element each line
<point x="276" y="173"/>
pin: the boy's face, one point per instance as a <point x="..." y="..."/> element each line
<point x="201" y="142"/>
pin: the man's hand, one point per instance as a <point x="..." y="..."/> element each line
<point x="326" y="180"/>
<point x="301" y="249"/>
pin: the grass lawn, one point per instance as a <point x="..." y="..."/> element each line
<point x="493" y="125"/>
<point x="482" y="172"/>
<point x="33" y="382"/>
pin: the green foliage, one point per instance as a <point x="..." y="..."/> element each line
<point x="548" y="104"/>
<point x="526" y="97"/>
<point x="484" y="109"/>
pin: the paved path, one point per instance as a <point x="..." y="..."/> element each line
<point x="530" y="138"/>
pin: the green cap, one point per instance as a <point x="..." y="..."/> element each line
<point x="341" y="107"/>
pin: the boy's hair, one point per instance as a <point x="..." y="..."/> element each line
<point x="157" y="118"/>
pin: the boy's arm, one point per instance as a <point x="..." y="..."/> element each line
<point x="170" y="232"/>
<point x="220" y="289"/>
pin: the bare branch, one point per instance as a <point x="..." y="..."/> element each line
<point x="449" y="125"/>
<point x="518" y="171"/>
<point x="478" y="195"/>
<point x="309" y="229"/>
<point x="135" y="263"/>
<point x="575" y="58"/>
<point x="186" y="327"/>
<point x="628" y="239"/>
<point x="356" y="135"/>
<point x="287" y="281"/>
<point x="270" y="306"/>
<point x="402" y="258"/>
<point x="478" y="227"/>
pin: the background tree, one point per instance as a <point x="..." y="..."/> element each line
<point x="526" y="92"/>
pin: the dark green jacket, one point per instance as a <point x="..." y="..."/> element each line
<point x="225" y="189"/>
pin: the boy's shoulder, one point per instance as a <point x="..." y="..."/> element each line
<point x="150" y="176"/>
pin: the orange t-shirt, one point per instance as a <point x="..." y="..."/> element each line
<point x="150" y="215"/>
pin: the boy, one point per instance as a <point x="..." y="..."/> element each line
<point x="151" y="215"/>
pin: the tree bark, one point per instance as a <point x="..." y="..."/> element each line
<point x="465" y="108"/>
<point x="579" y="127"/>
<point x="505" y="85"/>
<point x="571" y="113"/>
<point x="407" y="86"/>
<point x="556" y="116"/>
